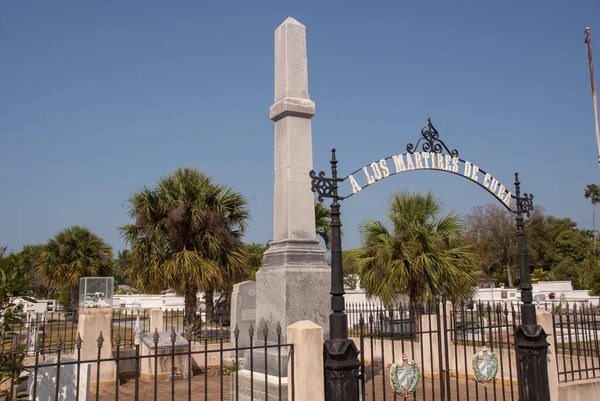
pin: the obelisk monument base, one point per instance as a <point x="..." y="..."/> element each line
<point x="293" y="285"/>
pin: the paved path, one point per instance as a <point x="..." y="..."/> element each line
<point x="427" y="390"/>
<point x="164" y="391"/>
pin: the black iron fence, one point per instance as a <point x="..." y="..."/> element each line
<point x="576" y="340"/>
<point x="46" y="328"/>
<point x="442" y="338"/>
<point x="149" y="366"/>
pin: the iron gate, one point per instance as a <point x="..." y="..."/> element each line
<point x="442" y="339"/>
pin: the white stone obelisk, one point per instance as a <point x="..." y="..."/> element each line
<point x="294" y="282"/>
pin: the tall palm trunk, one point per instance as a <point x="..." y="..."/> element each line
<point x="594" y="223"/>
<point x="191" y="319"/>
<point x="210" y="303"/>
<point x="509" y="274"/>
<point x="75" y="299"/>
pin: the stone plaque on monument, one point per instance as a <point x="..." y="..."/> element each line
<point x="45" y="381"/>
<point x="243" y="310"/>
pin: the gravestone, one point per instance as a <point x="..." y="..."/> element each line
<point x="243" y="310"/>
<point x="45" y="381"/>
<point x="563" y="301"/>
<point x="164" y="350"/>
<point x="35" y="327"/>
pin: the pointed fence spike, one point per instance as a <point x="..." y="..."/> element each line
<point x="100" y="340"/>
<point x="173" y="334"/>
<point x="278" y="329"/>
<point x="236" y="331"/>
<point x="118" y="338"/>
<point x="156" y="336"/>
<point x="265" y="330"/>
<point x="79" y="341"/>
<point x="251" y="330"/>
<point x="59" y="343"/>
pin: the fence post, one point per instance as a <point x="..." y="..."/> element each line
<point x="307" y="339"/>
<point x="92" y="321"/>
<point x="156" y="320"/>
<point x="545" y="320"/>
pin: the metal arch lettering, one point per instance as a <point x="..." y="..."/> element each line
<point x="442" y="159"/>
<point x="479" y="177"/>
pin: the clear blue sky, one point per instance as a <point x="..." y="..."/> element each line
<point x="98" y="99"/>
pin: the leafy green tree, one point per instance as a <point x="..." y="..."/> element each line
<point x="542" y="232"/>
<point x="255" y="254"/>
<point x="574" y="244"/>
<point x="538" y="275"/>
<point x="348" y="261"/>
<point x="592" y="192"/>
<point x="421" y="254"/>
<point x="13" y="283"/>
<point x="187" y="236"/>
<point x="120" y="267"/>
<point x="26" y="260"/>
<point x="595" y="280"/>
<point x="73" y="253"/>
<point x="492" y="229"/>
<point x="323" y="223"/>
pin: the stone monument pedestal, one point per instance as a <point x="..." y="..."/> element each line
<point x="291" y="286"/>
<point x="92" y="322"/>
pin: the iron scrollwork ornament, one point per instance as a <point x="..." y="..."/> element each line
<point x="404" y="376"/>
<point x="526" y="204"/>
<point x="485" y="366"/>
<point x="322" y="185"/>
<point x="431" y="142"/>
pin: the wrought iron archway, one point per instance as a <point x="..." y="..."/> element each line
<point x="341" y="355"/>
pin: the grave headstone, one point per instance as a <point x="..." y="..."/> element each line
<point x="164" y="349"/>
<point x="45" y="381"/>
<point x="563" y="301"/>
<point x="243" y="310"/>
<point x="35" y="326"/>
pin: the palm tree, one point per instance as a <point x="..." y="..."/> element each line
<point x="323" y="223"/>
<point x="73" y="253"/>
<point x="593" y="192"/>
<point x="186" y="235"/>
<point x="420" y="255"/>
